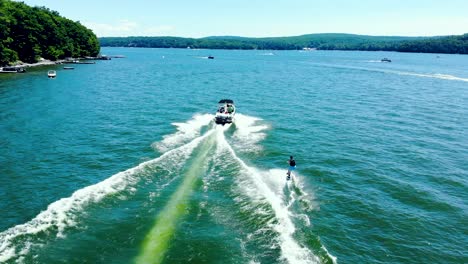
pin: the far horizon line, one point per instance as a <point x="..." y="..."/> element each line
<point x="238" y="36"/>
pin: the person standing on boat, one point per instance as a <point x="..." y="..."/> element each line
<point x="230" y="109"/>
<point x="292" y="166"/>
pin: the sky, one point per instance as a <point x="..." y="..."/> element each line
<point x="264" y="18"/>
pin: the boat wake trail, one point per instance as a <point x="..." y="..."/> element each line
<point x="185" y="132"/>
<point x="435" y="76"/>
<point x="16" y="242"/>
<point x="388" y="71"/>
<point x="267" y="186"/>
<point x="268" y="213"/>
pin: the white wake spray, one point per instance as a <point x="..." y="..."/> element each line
<point x="16" y="242"/>
<point x="62" y="214"/>
<point x="268" y="186"/>
<point x="435" y="76"/>
<point x="249" y="131"/>
<point x="185" y="132"/>
<point x="389" y="71"/>
<point x="291" y="251"/>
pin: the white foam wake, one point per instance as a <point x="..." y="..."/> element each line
<point x="425" y="75"/>
<point x="185" y="132"/>
<point x="62" y="214"/>
<point x="248" y="132"/>
<point x="436" y="76"/>
<point x="291" y="251"/>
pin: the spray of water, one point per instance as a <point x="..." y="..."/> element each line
<point x="291" y="250"/>
<point x="185" y="132"/>
<point x="61" y="215"/>
<point x="416" y="74"/>
<point x="266" y="185"/>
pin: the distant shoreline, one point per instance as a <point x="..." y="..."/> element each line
<point x="299" y="50"/>
<point x="303" y="50"/>
<point x="443" y="45"/>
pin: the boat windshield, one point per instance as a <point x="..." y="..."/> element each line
<point x="226" y="108"/>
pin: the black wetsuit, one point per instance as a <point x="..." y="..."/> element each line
<point x="292" y="163"/>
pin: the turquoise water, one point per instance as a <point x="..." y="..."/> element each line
<point x="120" y="162"/>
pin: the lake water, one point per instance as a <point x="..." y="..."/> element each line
<point x="120" y="162"/>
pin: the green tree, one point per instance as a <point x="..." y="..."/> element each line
<point x="28" y="33"/>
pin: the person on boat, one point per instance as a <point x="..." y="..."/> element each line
<point x="230" y="109"/>
<point x="292" y="166"/>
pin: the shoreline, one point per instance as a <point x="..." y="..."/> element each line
<point x="41" y="63"/>
<point x="299" y="50"/>
<point x="44" y="62"/>
<point x="20" y="67"/>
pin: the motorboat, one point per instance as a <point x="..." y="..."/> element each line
<point x="12" y="70"/>
<point x="211" y="57"/>
<point x="226" y="112"/>
<point x="68" y="68"/>
<point x="51" y="74"/>
<point x="386" y="60"/>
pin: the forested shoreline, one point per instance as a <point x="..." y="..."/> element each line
<point x="30" y="33"/>
<point x="330" y="41"/>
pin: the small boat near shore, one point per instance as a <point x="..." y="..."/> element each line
<point x="226" y="112"/>
<point x="12" y="70"/>
<point x="68" y="68"/>
<point x="79" y="62"/>
<point x="386" y="60"/>
<point x="51" y="74"/>
<point x="104" y="57"/>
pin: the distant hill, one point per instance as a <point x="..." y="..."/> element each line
<point x="328" y="41"/>
<point x="28" y="33"/>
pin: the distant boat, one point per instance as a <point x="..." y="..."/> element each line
<point x="386" y="60"/>
<point x="68" y="68"/>
<point x="210" y="57"/>
<point x="51" y="74"/>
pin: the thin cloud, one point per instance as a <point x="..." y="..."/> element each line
<point x="157" y="30"/>
<point x="125" y="28"/>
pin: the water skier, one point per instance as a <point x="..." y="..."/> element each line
<point x="292" y="166"/>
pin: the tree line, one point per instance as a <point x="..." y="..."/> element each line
<point x="331" y="41"/>
<point x="29" y="33"/>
